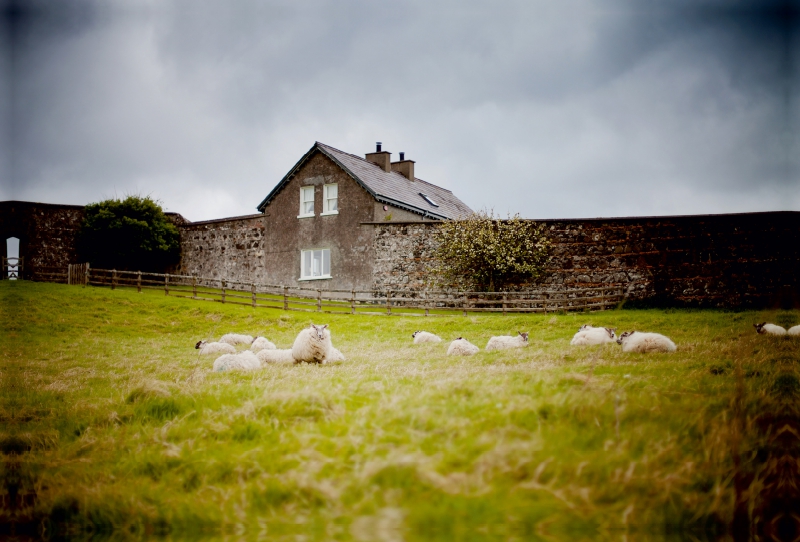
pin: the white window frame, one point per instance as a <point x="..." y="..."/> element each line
<point x="326" y="200"/>
<point x="304" y="190"/>
<point x="307" y="268"/>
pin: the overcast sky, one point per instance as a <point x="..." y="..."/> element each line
<point x="574" y="108"/>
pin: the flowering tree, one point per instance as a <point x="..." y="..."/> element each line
<point x="489" y="253"/>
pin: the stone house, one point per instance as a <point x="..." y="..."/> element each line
<point x="315" y="226"/>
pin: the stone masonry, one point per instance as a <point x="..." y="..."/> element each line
<point x="749" y="259"/>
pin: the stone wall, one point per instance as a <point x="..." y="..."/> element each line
<point x="47" y="232"/>
<point x="230" y="249"/>
<point x="748" y="259"/>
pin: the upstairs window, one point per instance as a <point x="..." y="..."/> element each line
<point x="330" y="199"/>
<point x="306" y="201"/>
<point x="315" y="264"/>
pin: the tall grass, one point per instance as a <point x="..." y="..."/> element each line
<point x="113" y="422"/>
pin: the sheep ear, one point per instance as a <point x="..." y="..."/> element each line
<point x="324" y="327"/>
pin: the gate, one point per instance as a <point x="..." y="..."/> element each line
<point x="12" y="268"/>
<point x="78" y="274"/>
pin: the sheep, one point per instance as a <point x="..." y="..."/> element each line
<point x="214" y="348"/>
<point x="506" y="341"/>
<point x="794" y="331"/>
<point x="235" y="338"/>
<point x="245" y="361"/>
<point x="312" y="345"/>
<point x="636" y="341"/>
<point x="462" y="347"/>
<point x="590" y="336"/>
<point x="275" y="356"/>
<point x="425" y="337"/>
<point x="334" y="355"/>
<point x="769" y="329"/>
<point x="261" y="343"/>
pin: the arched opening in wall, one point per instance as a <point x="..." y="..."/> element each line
<point x="12" y="268"/>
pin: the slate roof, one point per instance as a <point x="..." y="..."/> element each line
<point x="391" y="188"/>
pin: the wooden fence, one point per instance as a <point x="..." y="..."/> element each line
<point x="389" y="302"/>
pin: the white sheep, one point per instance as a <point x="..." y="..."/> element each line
<point x="312" y="345"/>
<point x="769" y="329"/>
<point x="425" y="337"/>
<point x="636" y="341"/>
<point x="214" y="348"/>
<point x="507" y="341"/>
<point x="235" y="338"/>
<point x="590" y="336"/>
<point x="261" y="343"/>
<point x="794" y="331"/>
<point x="275" y="356"/>
<point x="462" y="347"/>
<point x="244" y="361"/>
<point x="334" y="355"/>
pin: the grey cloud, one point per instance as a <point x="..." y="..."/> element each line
<point x="548" y="109"/>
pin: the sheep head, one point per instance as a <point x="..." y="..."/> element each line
<point x="318" y="332"/>
<point x="610" y="331"/>
<point x="414" y="335"/>
<point x="524" y="335"/>
<point x="760" y="327"/>
<point x="624" y="336"/>
<point x="199" y="344"/>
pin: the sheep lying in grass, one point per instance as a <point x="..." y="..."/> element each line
<point x="235" y="338"/>
<point x="507" y="341"/>
<point x="590" y="336"/>
<point x="794" y="331"/>
<point x="425" y="337"/>
<point x="214" y="348"/>
<point x="243" y="361"/>
<point x="261" y="343"/>
<point x="334" y="355"/>
<point x="769" y="329"/>
<point x="636" y="341"/>
<point x="462" y="347"/>
<point x="312" y="345"/>
<point x="275" y="356"/>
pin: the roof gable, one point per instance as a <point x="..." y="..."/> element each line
<point x="420" y="197"/>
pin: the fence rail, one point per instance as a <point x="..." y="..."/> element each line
<point x="333" y="301"/>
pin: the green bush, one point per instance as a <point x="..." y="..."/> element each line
<point x="131" y="234"/>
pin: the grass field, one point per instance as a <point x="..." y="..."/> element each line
<point x="112" y="422"/>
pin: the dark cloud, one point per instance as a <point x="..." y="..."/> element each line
<point x="549" y="109"/>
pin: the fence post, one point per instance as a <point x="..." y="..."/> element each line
<point x="139" y="282"/>
<point x="87" y="275"/>
<point x="69" y="274"/>
<point x="166" y="283"/>
<point x="544" y="301"/>
<point x="352" y="301"/>
<point x="426" y="302"/>
<point x="222" y="283"/>
<point x="319" y="300"/>
<point x="286" y="298"/>
<point x="464" y="305"/>
<point x="388" y="306"/>
<point x="504" y="303"/>
<point x="194" y="286"/>
<point x="113" y="279"/>
<point x="253" y="290"/>
<point x="603" y="299"/>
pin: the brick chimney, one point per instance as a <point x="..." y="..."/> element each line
<point x="381" y="158"/>
<point x="404" y="167"/>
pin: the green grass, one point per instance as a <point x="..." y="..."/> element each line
<point x="117" y="424"/>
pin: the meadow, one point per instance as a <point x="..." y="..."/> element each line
<point x="112" y="423"/>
